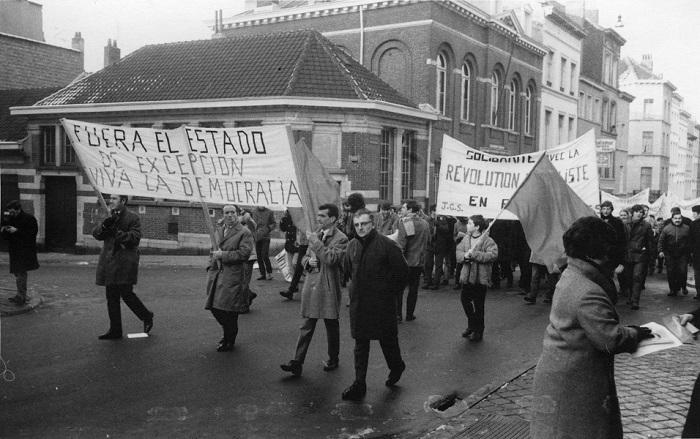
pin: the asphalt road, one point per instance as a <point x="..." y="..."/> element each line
<point x="174" y="383"/>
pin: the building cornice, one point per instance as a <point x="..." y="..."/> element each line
<point x="36" y="110"/>
<point x="591" y="82"/>
<point x="565" y="23"/>
<point x="462" y="7"/>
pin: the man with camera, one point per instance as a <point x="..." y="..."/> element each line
<point x="20" y="229"/>
<point x="118" y="265"/>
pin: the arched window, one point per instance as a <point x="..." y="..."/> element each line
<point x="512" y="104"/>
<point x="441" y="86"/>
<point x="495" y="85"/>
<point x="528" y="110"/>
<point x="466" y="90"/>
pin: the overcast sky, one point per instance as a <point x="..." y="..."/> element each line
<point x="667" y="29"/>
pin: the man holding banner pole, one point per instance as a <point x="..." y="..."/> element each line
<point x="118" y="265"/>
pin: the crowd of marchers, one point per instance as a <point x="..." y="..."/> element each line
<point x="379" y="255"/>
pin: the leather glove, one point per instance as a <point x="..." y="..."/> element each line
<point x="109" y="222"/>
<point x="643" y="333"/>
<point x="121" y="237"/>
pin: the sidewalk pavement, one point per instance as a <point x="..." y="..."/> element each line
<point x="654" y="392"/>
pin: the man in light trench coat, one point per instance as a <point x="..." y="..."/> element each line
<point x="321" y="294"/>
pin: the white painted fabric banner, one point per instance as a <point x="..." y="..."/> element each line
<point x="247" y="166"/>
<point x="475" y="182"/>
<point x="663" y="205"/>
<point x="620" y="203"/>
<point x="577" y="164"/>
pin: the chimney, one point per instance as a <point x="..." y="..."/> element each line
<point x="112" y="53"/>
<point x="77" y="43"/>
<point x="648" y="62"/>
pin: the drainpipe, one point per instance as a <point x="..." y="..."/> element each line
<point x="428" y="162"/>
<point x="362" y="36"/>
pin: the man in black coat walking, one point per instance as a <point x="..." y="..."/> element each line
<point x="379" y="273"/>
<point x="617" y="251"/>
<point x="118" y="266"/>
<point x="20" y="230"/>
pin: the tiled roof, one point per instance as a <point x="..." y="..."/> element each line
<point x="299" y="63"/>
<point x="15" y="127"/>
<point x="639" y="70"/>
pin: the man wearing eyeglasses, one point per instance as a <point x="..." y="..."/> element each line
<point x="379" y="273"/>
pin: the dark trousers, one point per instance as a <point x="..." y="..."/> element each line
<point x="636" y="274"/>
<point x="696" y="271"/>
<point x="262" y="250"/>
<point x="126" y="293"/>
<point x="21" y="282"/>
<point x="441" y="257"/>
<point x="473" y="297"/>
<point x="306" y="333"/>
<point x="502" y="270"/>
<point x="677" y="272"/>
<point x="412" y="297"/>
<point x="229" y="322"/>
<point x="692" y="421"/>
<point x="390" y="349"/>
<point x="298" y="269"/>
<point x="428" y="266"/>
<point x="525" y="272"/>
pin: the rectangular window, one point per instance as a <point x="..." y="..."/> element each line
<point x="68" y="154"/>
<point x="647" y="142"/>
<point x="562" y="130"/>
<point x="550" y="60"/>
<point x="385" y="148"/>
<point x="562" y="76"/>
<point x="48" y="145"/>
<point x="648" y="103"/>
<point x="607" y="67"/>
<point x="572" y="130"/>
<point x="547" y="129"/>
<point x="572" y="80"/>
<point x="589" y="107"/>
<point x="581" y="104"/>
<point x="407" y="148"/>
<point x="604" y="116"/>
<point x="596" y="111"/>
<point x="612" y="120"/>
<point x="645" y="177"/>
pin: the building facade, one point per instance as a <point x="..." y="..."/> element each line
<point x="479" y="73"/>
<point x="601" y="99"/>
<point x="357" y="125"/>
<point x="649" y="126"/>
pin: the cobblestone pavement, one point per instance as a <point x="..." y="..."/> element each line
<point x="654" y="393"/>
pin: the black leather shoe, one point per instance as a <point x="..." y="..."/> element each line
<point x="293" y="366"/>
<point x="263" y="277"/>
<point x="148" y="324"/>
<point x="395" y="375"/>
<point x="672" y="294"/>
<point x="225" y="346"/>
<point x="110" y="336"/>
<point x="355" y="392"/>
<point x="684" y="291"/>
<point x="329" y="365"/>
<point x="287" y="295"/>
<point x="410" y="318"/>
<point x="476" y="336"/>
<point x="467" y="333"/>
<point x="17" y="300"/>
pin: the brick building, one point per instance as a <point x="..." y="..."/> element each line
<point x="479" y="73"/>
<point x="356" y="124"/>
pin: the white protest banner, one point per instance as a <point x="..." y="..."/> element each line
<point x="663" y="205"/>
<point x="620" y="203"/>
<point x="473" y="182"/>
<point x="577" y="164"/>
<point x="248" y="166"/>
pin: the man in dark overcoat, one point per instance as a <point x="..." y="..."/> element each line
<point x="228" y="294"/>
<point x="639" y="249"/>
<point x="118" y="266"/>
<point x="20" y="229"/>
<point x="379" y="273"/>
